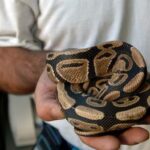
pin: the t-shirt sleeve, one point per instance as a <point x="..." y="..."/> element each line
<point x="18" y="23"/>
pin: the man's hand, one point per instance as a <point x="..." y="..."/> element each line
<point x="48" y="109"/>
<point x="47" y="105"/>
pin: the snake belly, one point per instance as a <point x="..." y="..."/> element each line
<point x="101" y="89"/>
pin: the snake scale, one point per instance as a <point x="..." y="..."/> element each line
<point x="101" y="89"/>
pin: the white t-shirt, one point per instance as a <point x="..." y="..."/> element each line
<point x="62" y="24"/>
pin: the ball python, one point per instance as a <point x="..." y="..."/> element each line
<point x="101" y="89"/>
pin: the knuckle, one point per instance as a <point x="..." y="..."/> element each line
<point x="43" y="114"/>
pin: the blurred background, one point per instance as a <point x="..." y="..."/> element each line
<point x="19" y="126"/>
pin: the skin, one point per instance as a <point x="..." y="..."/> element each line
<point x="22" y="71"/>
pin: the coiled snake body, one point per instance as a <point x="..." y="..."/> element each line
<point x="101" y="89"/>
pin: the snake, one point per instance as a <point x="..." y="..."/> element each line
<point x="101" y="89"/>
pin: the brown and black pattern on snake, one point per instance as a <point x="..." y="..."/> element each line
<point x="102" y="88"/>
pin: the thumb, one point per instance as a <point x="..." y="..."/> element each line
<point x="47" y="105"/>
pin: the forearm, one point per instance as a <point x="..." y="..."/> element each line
<point x="20" y="69"/>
